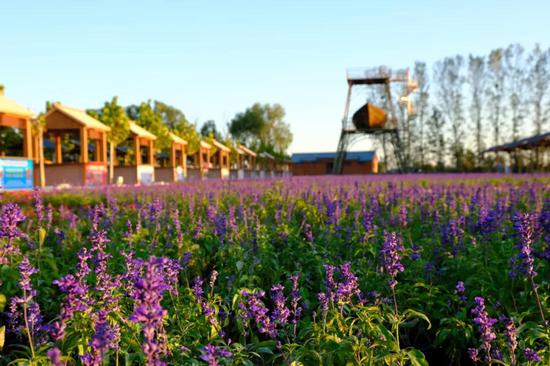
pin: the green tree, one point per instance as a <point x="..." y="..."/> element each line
<point x="262" y="127"/>
<point x="152" y="122"/>
<point x="421" y="103"/>
<point x="38" y="127"/>
<point x="496" y="79"/>
<point x="449" y="79"/>
<point x="247" y="126"/>
<point x="476" y="79"/>
<point x="113" y="115"/>
<point x="176" y="122"/>
<point x="209" y="129"/>
<point x="436" y="138"/>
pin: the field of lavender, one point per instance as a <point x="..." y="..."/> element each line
<point x="390" y="270"/>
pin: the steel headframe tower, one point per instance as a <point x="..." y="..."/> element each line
<point x="350" y="133"/>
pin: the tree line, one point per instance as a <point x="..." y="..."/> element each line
<point x="466" y="104"/>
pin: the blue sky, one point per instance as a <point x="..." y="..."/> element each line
<point x="213" y="59"/>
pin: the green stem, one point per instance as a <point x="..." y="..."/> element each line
<point x="538" y="299"/>
<point x="394" y="302"/>
<point x="396" y="318"/>
<point x="26" y="319"/>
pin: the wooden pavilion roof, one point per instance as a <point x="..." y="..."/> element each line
<point x="220" y="146"/>
<point x="246" y="150"/>
<point x="11" y="107"/>
<point x="177" y="139"/>
<point x="524" y="144"/>
<point x="205" y="145"/>
<point x="79" y="116"/>
<point x="141" y="132"/>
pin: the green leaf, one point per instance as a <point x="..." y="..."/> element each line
<point x="417" y="358"/>
<point x="264" y="350"/>
<point x="410" y="313"/>
<point x="2" y="302"/>
<point x="2" y="336"/>
<point x="239" y="265"/>
<point x="41" y="237"/>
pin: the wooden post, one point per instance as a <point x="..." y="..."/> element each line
<point x="151" y="153"/>
<point x="41" y="157"/>
<point x="35" y="149"/>
<point x="220" y="160"/>
<point x="103" y="140"/>
<point x="184" y="159"/>
<point x="27" y="140"/>
<point x="173" y="163"/>
<point x="112" y="154"/>
<point x="83" y="145"/>
<point x="98" y="147"/>
<point x="199" y="160"/>
<point x="58" y="152"/>
<point x="137" y="146"/>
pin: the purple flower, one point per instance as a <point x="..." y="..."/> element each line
<point x="207" y="310"/>
<point x="349" y="287"/>
<point x="531" y="355"/>
<point x="54" y="354"/>
<point x="308" y="232"/>
<point x="77" y="297"/>
<point x="30" y="316"/>
<point x="211" y="354"/>
<point x="524" y="225"/>
<point x="323" y="302"/>
<point x="186" y="259"/>
<point x="253" y="308"/>
<point x="213" y="277"/>
<point x="38" y="205"/>
<point x="10" y="217"/>
<point x="198" y="228"/>
<point x="295" y="299"/>
<point x="129" y="231"/>
<point x="460" y="289"/>
<point x="105" y="337"/>
<point x="403" y="215"/>
<point x="157" y="278"/>
<point x="280" y="313"/>
<point x="485" y="324"/>
<point x="177" y="224"/>
<point x="416" y="254"/>
<point x="452" y="235"/>
<point x="474" y="354"/>
<point x="511" y="335"/>
<point x="198" y="290"/>
<point x="26" y="270"/>
<point x="391" y="257"/>
<point x="329" y="281"/>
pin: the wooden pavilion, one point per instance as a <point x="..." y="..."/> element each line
<point x="220" y="162"/>
<point x="176" y="169"/>
<point x="246" y="162"/>
<point x="79" y="144"/>
<point x="267" y="164"/>
<point x="138" y="163"/>
<point x="535" y="149"/>
<point x="16" y="167"/>
<point x="201" y="162"/>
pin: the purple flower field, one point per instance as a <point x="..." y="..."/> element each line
<point x="450" y="269"/>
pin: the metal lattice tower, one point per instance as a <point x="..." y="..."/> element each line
<point x="350" y="133"/>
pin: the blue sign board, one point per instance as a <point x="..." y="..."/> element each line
<point x="16" y="173"/>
